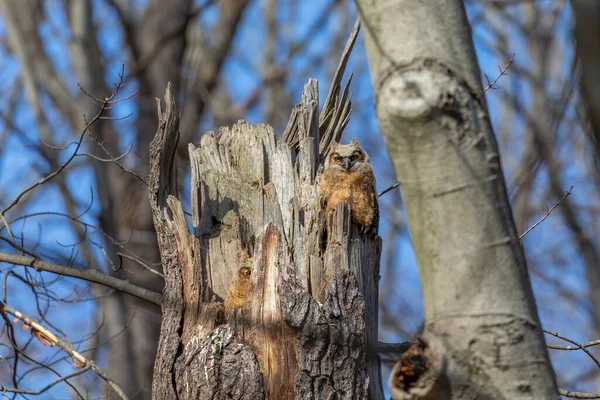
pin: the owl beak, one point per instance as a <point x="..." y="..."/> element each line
<point x="346" y="164"/>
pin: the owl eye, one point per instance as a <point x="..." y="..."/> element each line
<point x="337" y="158"/>
<point x="354" y="157"/>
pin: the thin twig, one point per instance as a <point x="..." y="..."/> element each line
<point x="50" y="385"/>
<point x="10" y="330"/>
<point x="120" y="157"/>
<point x="544" y="216"/>
<point x="394" y="186"/>
<point x="503" y="72"/>
<point x="145" y="264"/>
<point x="140" y="262"/>
<point x="56" y="148"/>
<point x="578" y="347"/>
<point x="578" y="395"/>
<point x="113" y="159"/>
<point x="46" y="336"/>
<point x="8" y="230"/>
<point x="73" y="155"/>
<point x="566" y="339"/>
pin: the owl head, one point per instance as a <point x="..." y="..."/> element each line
<point x="349" y="157"/>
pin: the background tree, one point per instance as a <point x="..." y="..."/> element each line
<point x="480" y="314"/>
<point x="223" y="66"/>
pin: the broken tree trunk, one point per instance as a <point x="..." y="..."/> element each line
<point x="254" y="307"/>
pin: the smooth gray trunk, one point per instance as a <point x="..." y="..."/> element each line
<point x="482" y="333"/>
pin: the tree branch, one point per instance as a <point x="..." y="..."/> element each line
<point x="545" y="215"/>
<point x="87" y="274"/>
<point x="578" y="395"/>
<point x="45" y="336"/>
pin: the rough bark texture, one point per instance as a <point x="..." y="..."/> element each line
<point x="241" y="313"/>
<point x="587" y="34"/>
<point x="431" y="110"/>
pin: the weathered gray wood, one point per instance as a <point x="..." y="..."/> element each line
<point x="256" y="308"/>
<point x="161" y="177"/>
<point x="336" y="109"/>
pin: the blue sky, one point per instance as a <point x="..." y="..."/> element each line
<point x="19" y="166"/>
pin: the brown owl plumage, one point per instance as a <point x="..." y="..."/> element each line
<point x="348" y="177"/>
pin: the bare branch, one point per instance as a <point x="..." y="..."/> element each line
<point x="578" y="347"/>
<point x="46" y="336"/>
<point x="578" y="395"/>
<point x="87" y="274"/>
<point x="129" y="255"/>
<point x="113" y="159"/>
<point x="503" y="72"/>
<point x="566" y="339"/>
<point x="394" y="186"/>
<point x="68" y="161"/>
<point x="50" y="385"/>
<point x="544" y="216"/>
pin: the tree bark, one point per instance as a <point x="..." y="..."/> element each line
<point x="482" y="337"/>
<point x="254" y="307"/>
<point x="587" y="34"/>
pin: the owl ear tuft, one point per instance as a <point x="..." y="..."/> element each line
<point x="355" y="142"/>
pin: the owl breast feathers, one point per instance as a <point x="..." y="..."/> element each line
<point x="348" y="178"/>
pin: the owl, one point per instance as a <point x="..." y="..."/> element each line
<point x="348" y="178"/>
<point x="240" y="287"/>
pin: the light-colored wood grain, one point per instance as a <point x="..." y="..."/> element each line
<point x="301" y="313"/>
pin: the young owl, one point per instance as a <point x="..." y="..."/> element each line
<point x="348" y="177"/>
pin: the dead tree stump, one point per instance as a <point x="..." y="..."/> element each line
<point x="253" y="307"/>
